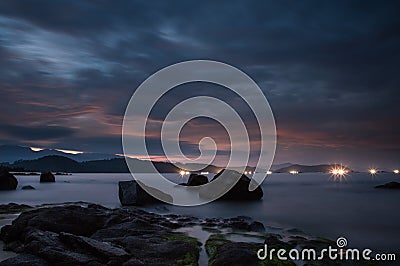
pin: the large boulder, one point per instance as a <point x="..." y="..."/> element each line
<point x="68" y="219"/>
<point x="7" y="180"/>
<point x="47" y="177"/>
<point x="237" y="185"/>
<point x="197" y="180"/>
<point x="132" y="194"/>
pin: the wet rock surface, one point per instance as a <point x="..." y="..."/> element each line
<point x="13" y="208"/>
<point x="94" y="235"/>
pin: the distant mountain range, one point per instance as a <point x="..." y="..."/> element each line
<point x="12" y="153"/>
<point x="56" y="163"/>
<point x="25" y="159"/>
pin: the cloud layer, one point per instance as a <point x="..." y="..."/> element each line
<point x="329" y="70"/>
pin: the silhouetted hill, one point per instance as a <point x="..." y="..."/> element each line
<point x="321" y="168"/>
<point x="52" y="163"/>
<point x="279" y="166"/>
<point x="57" y="163"/>
<point x="203" y="167"/>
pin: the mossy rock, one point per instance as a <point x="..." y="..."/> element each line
<point x="190" y="258"/>
<point x="276" y="262"/>
<point x="212" y="244"/>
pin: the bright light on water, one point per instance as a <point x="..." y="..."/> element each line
<point x="338" y="173"/>
<point x="373" y="171"/>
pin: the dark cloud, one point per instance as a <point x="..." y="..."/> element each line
<point x="35" y="132"/>
<point x="329" y="69"/>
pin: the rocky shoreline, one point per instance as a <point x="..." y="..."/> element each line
<point x="90" y="234"/>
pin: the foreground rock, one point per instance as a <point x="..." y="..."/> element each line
<point x="390" y="185"/>
<point x="239" y="191"/>
<point x="24" y="260"/>
<point x="47" y="177"/>
<point x="13" y="208"/>
<point x="132" y="194"/>
<point x="94" y="235"/>
<point x="7" y="180"/>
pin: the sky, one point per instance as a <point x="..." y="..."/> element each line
<point x="329" y="70"/>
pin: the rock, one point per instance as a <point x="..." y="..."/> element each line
<point x="29" y="187"/>
<point x="126" y="236"/>
<point x="24" y="260"/>
<point x="47" y="177"/>
<point x="13" y="208"/>
<point x="70" y="219"/>
<point x="390" y="185"/>
<point x="7" y="180"/>
<point x="273" y="239"/>
<point x="132" y="194"/>
<point x="98" y="248"/>
<point x="256" y="227"/>
<point x="235" y="254"/>
<point x="237" y="191"/>
<point x="197" y="180"/>
<point x="95" y="235"/>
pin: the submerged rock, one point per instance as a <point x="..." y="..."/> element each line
<point x="390" y="185"/>
<point x="7" y="180"/>
<point x="29" y="187"/>
<point x="47" y="177"/>
<point x="132" y="194"/>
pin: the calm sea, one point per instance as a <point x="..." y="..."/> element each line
<point x="313" y="203"/>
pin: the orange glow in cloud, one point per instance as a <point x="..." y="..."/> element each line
<point x="70" y="151"/>
<point x="35" y="149"/>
